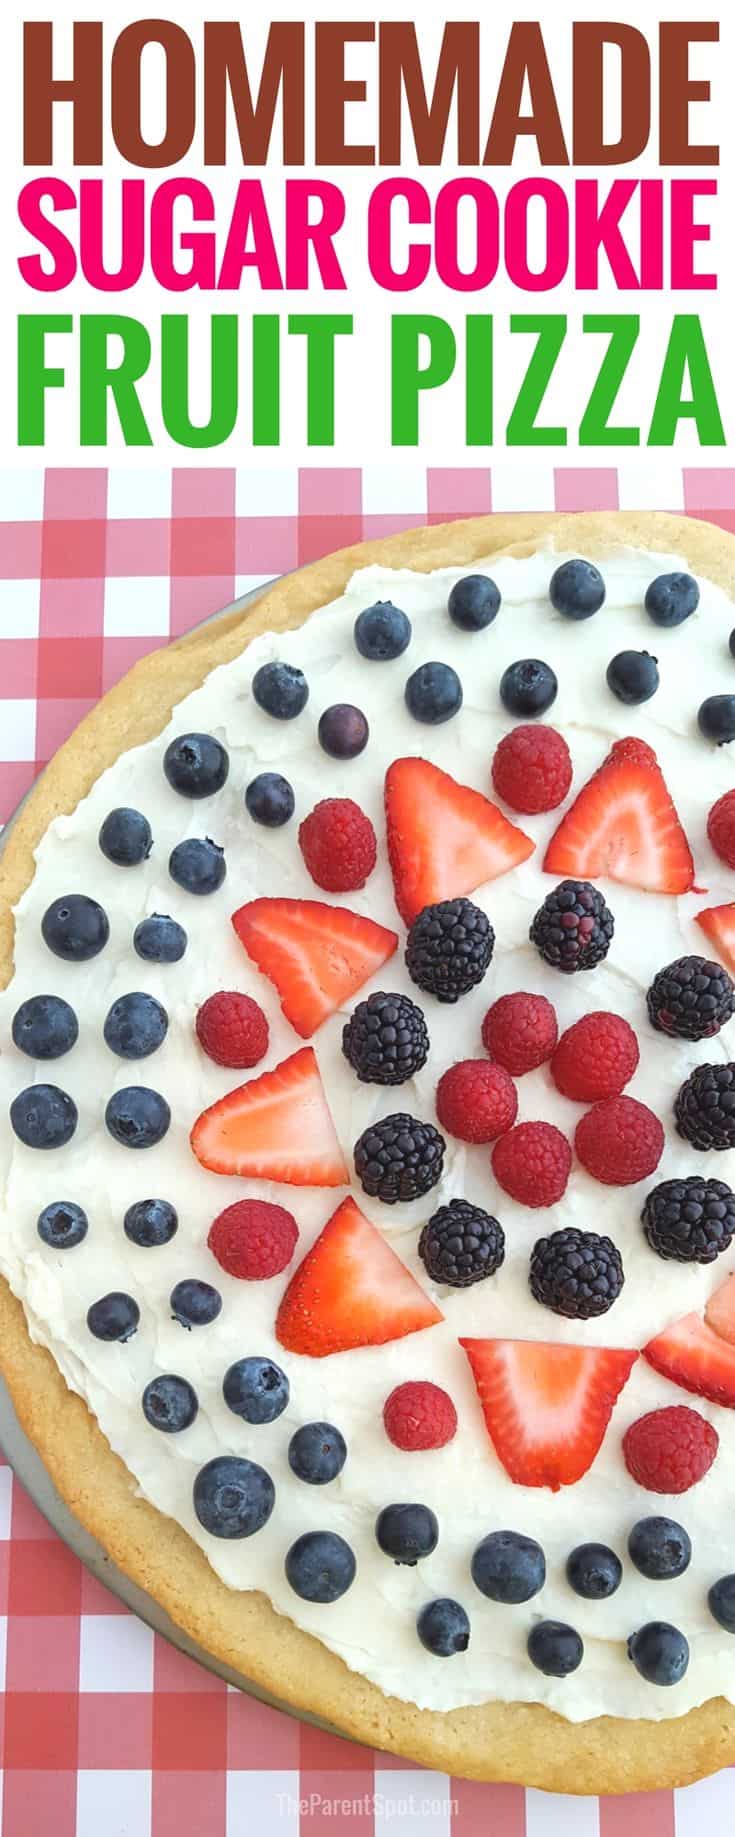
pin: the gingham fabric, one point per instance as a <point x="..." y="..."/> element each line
<point x="104" y="1727"/>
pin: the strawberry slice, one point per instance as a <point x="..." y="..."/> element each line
<point x="275" y="1127"/>
<point x="691" y="1354"/>
<point x="317" y="955"/>
<point x="444" y="839"/>
<point x="623" y="824"/>
<point x="719" y="924"/>
<point x="351" y="1290"/>
<point x="720" y="1311"/>
<point x="546" y="1405"/>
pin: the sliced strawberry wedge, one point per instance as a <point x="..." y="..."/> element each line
<point x="546" y="1405"/>
<point x="276" y="1127"/>
<point x="719" y="924"/>
<point x="691" y="1354"/>
<point x="317" y="955"/>
<point x="351" y="1290"/>
<point x="444" y="839"/>
<point x="623" y="825"/>
<point x="720" y="1311"/>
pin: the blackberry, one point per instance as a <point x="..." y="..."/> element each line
<point x="705" y="1107"/>
<point x="386" y="1040"/>
<point x="461" y="1244"/>
<point x="691" y="998"/>
<point x="690" y="1221"/>
<point x="399" y="1158"/>
<point x="576" y="1273"/>
<point x="573" y="928"/>
<point x="449" y="948"/>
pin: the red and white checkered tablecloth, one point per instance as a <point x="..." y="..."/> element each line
<point x="104" y="1727"/>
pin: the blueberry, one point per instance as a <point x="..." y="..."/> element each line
<point x="196" y="765"/>
<point x="43" y="1116"/>
<point x="594" y="1572"/>
<point x="671" y="598"/>
<point x="150" y="1222"/>
<point x="577" y="589"/>
<point x="135" y="1026"/>
<point x="159" y="939"/>
<point x="633" y="677"/>
<point x="660" y="1652"/>
<point x="280" y="690"/>
<point x="170" y="1403"/>
<point x="407" y="1532"/>
<point x="528" y="687"/>
<point x="343" y="731"/>
<point x="45" y="1027"/>
<point x="434" y="693"/>
<point x="233" y="1497"/>
<point x="125" y="837"/>
<point x="137" y="1117"/>
<point x="198" y="865"/>
<point x="62" y="1224"/>
<point x="256" y="1389"/>
<point x="320" y="1566"/>
<point x="721" y="1600"/>
<point x="317" y="1453"/>
<point x="554" y="1648"/>
<point x="474" y="602"/>
<point x="269" y="799"/>
<point x="732" y="642"/>
<point x="194" y="1303"/>
<point x="716" y="718"/>
<point x="75" y="928"/>
<point x="382" y="632"/>
<point x="660" y="1548"/>
<point x="508" y="1567"/>
<point x="114" y="1316"/>
<point x="443" y="1627"/>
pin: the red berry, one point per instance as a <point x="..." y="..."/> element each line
<point x="253" y="1239"/>
<point x="419" y="1415"/>
<point x="669" y="1450"/>
<point x="721" y="828"/>
<point x="476" y="1101"/>
<point x="520" y="1032"/>
<point x="619" y="1141"/>
<point x="532" y="769"/>
<point x="533" y="1163"/>
<point x="232" y="1029"/>
<point x="595" y="1058"/>
<point x="337" y="841"/>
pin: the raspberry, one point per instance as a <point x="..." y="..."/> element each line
<point x="419" y="1415"/>
<point x="520" y="1032"/>
<point x="253" y="1239"/>
<point x="232" y="1029"/>
<point x="669" y="1450"/>
<point x="532" y="1163"/>
<point x="532" y="769"/>
<point x="595" y="1058"/>
<point x="476" y="1101"/>
<point x="619" y="1141"/>
<point x="337" y="841"/>
<point x="721" y="828"/>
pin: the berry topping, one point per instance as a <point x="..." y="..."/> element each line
<point x="528" y="687"/>
<point x="577" y="589"/>
<point x="194" y="1303"/>
<point x="672" y="598"/>
<point x="731" y="642"/>
<point x="690" y="1221"/>
<point x="659" y="1652"/>
<point x="149" y="1223"/>
<point x="43" y="1116"/>
<point x="62" y="1224"/>
<point x="553" y="1647"/>
<point x="113" y="1317"/>
<point x="170" y="1403"/>
<point x="407" y="1532"/>
<point x="595" y="1058"/>
<point x="256" y="1389"/>
<point x="343" y="731"/>
<point x="196" y="765"/>
<point x="444" y="839"/>
<point x="508" y="1567"/>
<point x="692" y="998"/>
<point x="276" y="1127"/>
<point x="125" y="837"/>
<point x="135" y="1026"/>
<point x="317" y="956"/>
<point x="474" y="602"/>
<point x="546" y="1406"/>
<point x="449" y="948"/>
<point x="619" y="1141"/>
<point x="317" y="1453"/>
<point x="398" y="1158"/>
<point x="269" y="799"/>
<point x="253" y="1239"/>
<point x="137" y="1117"/>
<point x="573" y="928"/>
<point x="45" y="1027"/>
<point x="533" y="1163"/>
<point x="633" y="677"/>
<point x="594" y="1572"/>
<point x="198" y="865"/>
<point x="280" y="690"/>
<point x="669" y="1450"/>
<point x="476" y="1101"/>
<point x="75" y="928"/>
<point x="716" y="718"/>
<point x="386" y="1041"/>
<point x="699" y="1354"/>
<point x="520" y="1031"/>
<point x="232" y="1029"/>
<point x="382" y="632"/>
<point x="718" y="924"/>
<point x="623" y="824"/>
<point x="320" y="1566"/>
<point x="705" y="1107"/>
<point x="350" y="1290"/>
<point x="418" y="1416"/>
<point x="576" y="1273"/>
<point x="337" y="841"/>
<point x="461" y="1244"/>
<point x="159" y="939"/>
<point x="721" y="1597"/>
<point x="443" y="1627"/>
<point x="433" y="693"/>
<point x="233" y="1497"/>
<point x="721" y="828"/>
<point x="532" y="769"/>
<point x="660" y="1548"/>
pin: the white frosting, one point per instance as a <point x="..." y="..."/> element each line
<point x="373" y="1626"/>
